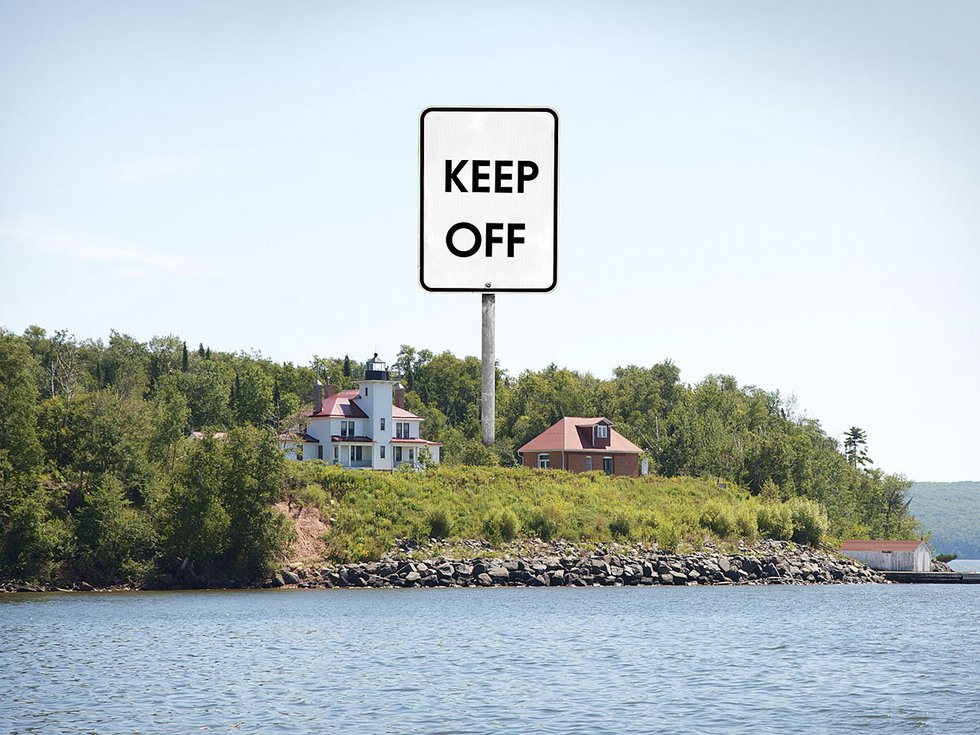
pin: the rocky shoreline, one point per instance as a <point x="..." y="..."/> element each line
<point x="552" y="564"/>
<point x="564" y="565"/>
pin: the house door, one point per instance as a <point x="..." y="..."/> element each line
<point x="607" y="465"/>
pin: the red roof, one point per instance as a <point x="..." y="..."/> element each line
<point x="857" y="545"/>
<point x="574" y="434"/>
<point x="344" y="405"/>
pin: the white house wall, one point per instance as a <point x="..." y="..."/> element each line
<point x="894" y="561"/>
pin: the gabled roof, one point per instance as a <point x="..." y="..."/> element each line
<point x="401" y="413"/>
<point x="344" y="405"/>
<point x="859" y="545"/>
<point x="574" y="434"/>
<point x="291" y="436"/>
<point x="340" y="405"/>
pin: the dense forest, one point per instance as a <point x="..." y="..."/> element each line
<point x="98" y="477"/>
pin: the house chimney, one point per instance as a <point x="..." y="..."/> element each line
<point x="317" y="397"/>
<point x="400" y="395"/>
<point x="331" y="390"/>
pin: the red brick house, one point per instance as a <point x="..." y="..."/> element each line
<point x="581" y="445"/>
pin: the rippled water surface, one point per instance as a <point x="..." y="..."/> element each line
<point x="872" y="658"/>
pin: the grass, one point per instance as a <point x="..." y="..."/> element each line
<point x="374" y="509"/>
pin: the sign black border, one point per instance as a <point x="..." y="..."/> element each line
<point x="426" y="111"/>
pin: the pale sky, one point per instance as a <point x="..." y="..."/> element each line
<point x="785" y="192"/>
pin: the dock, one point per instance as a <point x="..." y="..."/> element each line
<point x="933" y="577"/>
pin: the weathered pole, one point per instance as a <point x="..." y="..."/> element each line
<point x="489" y="360"/>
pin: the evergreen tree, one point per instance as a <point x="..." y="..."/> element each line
<point x="183" y="359"/>
<point x="855" y="447"/>
<point x="346" y="366"/>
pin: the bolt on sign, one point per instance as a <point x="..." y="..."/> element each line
<point x="488" y="199"/>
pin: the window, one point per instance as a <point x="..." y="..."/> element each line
<point x="601" y="431"/>
<point x="398" y="454"/>
<point x="336" y="453"/>
<point x="319" y="451"/>
<point x="411" y="455"/>
<point x="588" y="463"/>
<point x="607" y="465"/>
<point x="402" y="430"/>
<point x="382" y="424"/>
<point x="365" y="391"/>
<point x="543" y="460"/>
<point x="356" y="454"/>
<point x="382" y="452"/>
<point x="347" y="428"/>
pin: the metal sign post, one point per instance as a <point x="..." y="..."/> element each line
<point x="489" y="364"/>
<point x="488" y="202"/>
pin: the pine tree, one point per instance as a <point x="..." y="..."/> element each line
<point x="346" y="366"/>
<point x="855" y="447"/>
<point x="200" y="349"/>
<point x="183" y="358"/>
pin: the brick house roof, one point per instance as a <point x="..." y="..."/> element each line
<point x="574" y="434"/>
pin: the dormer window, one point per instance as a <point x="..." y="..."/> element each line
<point x="601" y="431"/>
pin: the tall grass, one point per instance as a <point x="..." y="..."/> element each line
<point x="373" y="509"/>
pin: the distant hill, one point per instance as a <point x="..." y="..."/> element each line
<point x="951" y="510"/>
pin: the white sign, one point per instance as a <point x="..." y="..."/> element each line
<point x="489" y="199"/>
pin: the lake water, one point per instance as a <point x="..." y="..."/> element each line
<point x="870" y="658"/>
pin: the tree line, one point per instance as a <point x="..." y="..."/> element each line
<point x="98" y="476"/>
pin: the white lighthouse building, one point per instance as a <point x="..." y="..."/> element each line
<point x="367" y="427"/>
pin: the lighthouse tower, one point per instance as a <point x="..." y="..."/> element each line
<point x="375" y="397"/>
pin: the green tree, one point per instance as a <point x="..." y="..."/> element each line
<point x="207" y="388"/>
<point x="253" y="481"/>
<point x="195" y="523"/>
<point x="856" y="447"/>
<point x="114" y="541"/>
<point x="20" y="451"/>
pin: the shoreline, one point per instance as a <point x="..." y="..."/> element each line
<point x="537" y="564"/>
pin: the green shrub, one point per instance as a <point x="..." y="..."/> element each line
<point x="501" y="525"/>
<point x="775" y="520"/>
<point x="440" y="524"/>
<point x="770" y="492"/>
<point x="946" y="558"/>
<point x="546" y="523"/>
<point x="667" y="536"/>
<point x="620" y="526"/>
<point x="746" y="522"/>
<point x="312" y="495"/>
<point x="809" y="521"/>
<point x="718" y="517"/>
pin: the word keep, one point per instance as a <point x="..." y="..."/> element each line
<point x="486" y="177"/>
